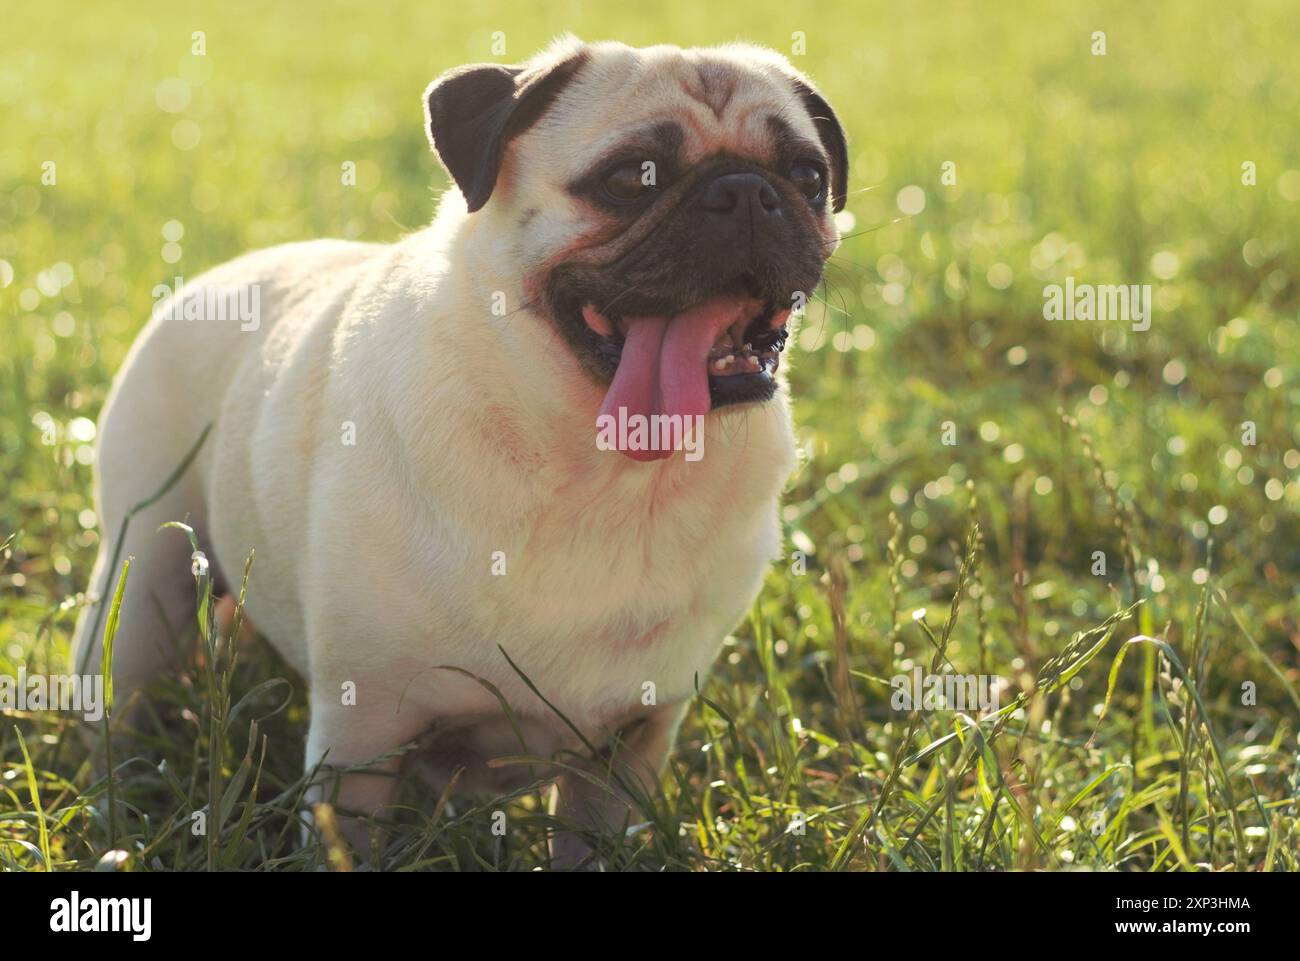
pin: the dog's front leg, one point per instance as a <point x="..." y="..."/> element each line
<point x="364" y="741"/>
<point x="633" y="762"/>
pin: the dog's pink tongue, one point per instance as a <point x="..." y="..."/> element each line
<point x="663" y="366"/>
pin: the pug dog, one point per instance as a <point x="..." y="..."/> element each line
<point x="412" y="436"/>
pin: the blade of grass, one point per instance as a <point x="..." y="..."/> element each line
<point x="35" y="793"/>
<point x="106" y="671"/>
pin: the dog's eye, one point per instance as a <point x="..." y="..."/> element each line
<point x="626" y="182"/>
<point x="807" y="179"/>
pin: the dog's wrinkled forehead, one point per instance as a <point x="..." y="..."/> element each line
<point x="707" y="101"/>
<point x="575" y="102"/>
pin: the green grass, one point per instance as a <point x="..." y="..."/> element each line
<point x="1118" y="169"/>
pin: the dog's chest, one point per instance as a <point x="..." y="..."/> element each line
<point x="612" y="592"/>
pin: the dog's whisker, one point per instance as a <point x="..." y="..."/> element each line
<point x="869" y="230"/>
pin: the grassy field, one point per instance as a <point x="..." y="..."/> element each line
<point x="965" y="458"/>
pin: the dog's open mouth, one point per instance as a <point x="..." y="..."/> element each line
<point x="721" y="351"/>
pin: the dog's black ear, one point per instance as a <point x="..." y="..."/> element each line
<point x="832" y="137"/>
<point x="471" y="114"/>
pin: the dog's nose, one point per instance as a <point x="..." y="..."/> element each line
<point x="740" y="193"/>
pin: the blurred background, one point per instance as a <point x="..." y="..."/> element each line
<point x="993" y="151"/>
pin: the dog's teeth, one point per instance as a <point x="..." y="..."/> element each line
<point x="720" y="365"/>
